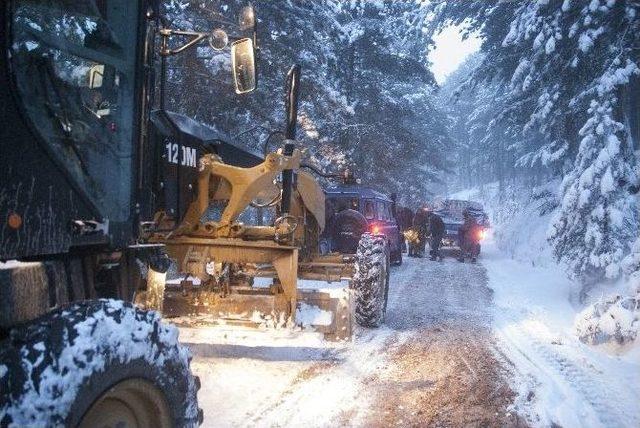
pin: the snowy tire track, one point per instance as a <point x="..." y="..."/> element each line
<point x="568" y="378"/>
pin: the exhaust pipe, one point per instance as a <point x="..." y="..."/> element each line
<point x="291" y="104"/>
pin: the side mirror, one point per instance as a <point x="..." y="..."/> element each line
<point x="243" y="61"/>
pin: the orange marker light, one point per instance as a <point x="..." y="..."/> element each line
<point x="14" y="221"/>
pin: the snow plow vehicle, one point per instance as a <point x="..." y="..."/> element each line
<point x="96" y="189"/>
<point x="80" y="170"/>
<point x="228" y="258"/>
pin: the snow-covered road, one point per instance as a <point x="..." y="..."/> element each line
<point x="487" y="344"/>
<point x="433" y="363"/>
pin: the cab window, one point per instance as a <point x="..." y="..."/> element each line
<point x="74" y="67"/>
<point x="387" y="208"/>
<point x="345" y="203"/>
<point x="380" y="208"/>
<point x="369" y="209"/>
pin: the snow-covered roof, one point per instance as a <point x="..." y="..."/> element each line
<point x="364" y="192"/>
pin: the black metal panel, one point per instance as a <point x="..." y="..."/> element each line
<point x="179" y="144"/>
<point x="35" y="187"/>
<point x="31" y="184"/>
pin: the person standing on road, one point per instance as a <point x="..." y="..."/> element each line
<point x="436" y="230"/>
<point x="405" y="222"/>
<point x="420" y="225"/>
<point x="467" y="237"/>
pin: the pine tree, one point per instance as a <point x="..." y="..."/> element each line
<point x="565" y="67"/>
<point x="398" y="135"/>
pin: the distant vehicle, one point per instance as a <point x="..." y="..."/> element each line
<point x="352" y="210"/>
<point x="450" y="210"/>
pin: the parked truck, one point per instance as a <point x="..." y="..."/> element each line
<point x="452" y="212"/>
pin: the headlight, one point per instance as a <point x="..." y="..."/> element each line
<point x="482" y="234"/>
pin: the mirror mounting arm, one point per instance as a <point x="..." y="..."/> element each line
<point x="195" y="38"/>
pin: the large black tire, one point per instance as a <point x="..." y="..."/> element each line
<point x="348" y="227"/>
<point x="54" y="369"/>
<point x="371" y="281"/>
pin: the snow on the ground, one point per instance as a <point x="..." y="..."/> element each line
<point x="269" y="379"/>
<point x="559" y="379"/>
<point x="287" y="377"/>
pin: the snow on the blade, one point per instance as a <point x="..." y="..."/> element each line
<point x="310" y="315"/>
<point x="268" y="321"/>
<point x="176" y="281"/>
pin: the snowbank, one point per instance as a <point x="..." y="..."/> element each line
<point x="613" y="314"/>
<point x="559" y="379"/>
<point x="520" y="220"/>
<point x="574" y="357"/>
<point x="614" y="320"/>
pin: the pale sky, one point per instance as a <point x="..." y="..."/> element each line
<point x="450" y="51"/>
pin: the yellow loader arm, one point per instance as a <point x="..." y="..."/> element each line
<point x="240" y="186"/>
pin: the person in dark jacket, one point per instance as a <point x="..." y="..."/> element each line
<point x="437" y="232"/>
<point x="467" y="237"/>
<point x="405" y="222"/>
<point x="421" y="225"/>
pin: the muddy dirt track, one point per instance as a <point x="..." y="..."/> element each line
<point x="433" y="364"/>
<point x="445" y="372"/>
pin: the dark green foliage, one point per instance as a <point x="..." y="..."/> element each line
<point x="366" y="101"/>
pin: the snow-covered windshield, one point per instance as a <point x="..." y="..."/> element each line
<point x="75" y="66"/>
